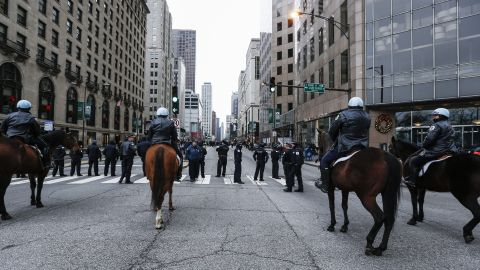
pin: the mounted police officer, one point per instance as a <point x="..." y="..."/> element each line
<point x="298" y="160"/>
<point x="22" y="125"/>
<point x="128" y="151"/>
<point x="349" y="131"/>
<point x="237" y="156"/>
<point x="261" y="157"/>
<point x="439" y="142"/>
<point x="162" y="131"/>
<point x="275" y="156"/>
<point x="222" y="151"/>
<point x="288" y="167"/>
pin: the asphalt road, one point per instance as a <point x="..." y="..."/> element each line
<point x="219" y="225"/>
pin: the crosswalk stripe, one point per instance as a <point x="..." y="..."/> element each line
<point x="87" y="180"/>
<point x="204" y="181"/>
<point x="112" y="181"/>
<point x="143" y="180"/>
<point x="281" y="181"/>
<point x="63" y="179"/>
<point x="19" y="182"/>
<point x="258" y="183"/>
<point x="227" y="181"/>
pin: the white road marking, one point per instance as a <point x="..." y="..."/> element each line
<point x="112" y="181"/>
<point x="19" y="182"/>
<point x="227" y="181"/>
<point x="87" y="180"/>
<point x="63" y="179"/>
<point x="281" y="181"/>
<point x="142" y="180"/>
<point x="204" y="181"/>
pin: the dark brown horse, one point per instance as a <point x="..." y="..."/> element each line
<point x="368" y="173"/>
<point x="459" y="175"/>
<point x="17" y="157"/>
<point x="161" y="165"/>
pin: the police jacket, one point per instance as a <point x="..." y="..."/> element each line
<point x="222" y="150"/>
<point x="142" y="148"/>
<point x="93" y="152"/>
<point x="76" y="154"/>
<point x="275" y="155"/>
<point x="162" y="130"/>
<point x="350" y="129"/>
<point x="204" y="152"/>
<point x="21" y="124"/>
<point x="128" y="149"/>
<point x="287" y="159"/>
<point x="260" y="155"/>
<point x="194" y="153"/>
<point x="439" y="139"/>
<point x="298" y="159"/>
<point x="59" y="153"/>
<point x="111" y="151"/>
<point x="237" y="155"/>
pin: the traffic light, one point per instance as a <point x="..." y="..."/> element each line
<point x="272" y="85"/>
<point x="175" y="100"/>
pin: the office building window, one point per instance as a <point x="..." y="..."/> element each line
<point x="279" y="70"/>
<point x="290" y="52"/>
<point x="55" y="16"/>
<point x="279" y="89"/>
<point x="54" y="38"/>
<point x="344" y="17"/>
<point x="79" y="54"/>
<point x="4" y="7"/>
<point x="69" y="47"/>
<point x="320" y="41"/>
<point x="290" y="22"/>
<point x="70" y="6"/>
<point x="79" y="15"/>
<point x="320" y="7"/>
<point x="42" y="29"/>
<point x="290" y="38"/>
<point x="3" y="31"/>
<point x="42" y="6"/>
<point x="279" y="108"/>
<point x="78" y="34"/>
<point x="331" y="31"/>
<point x="279" y="55"/>
<point x="290" y="89"/>
<point x="21" y="16"/>
<point x="54" y="58"/>
<point x="345" y="69"/>
<point x="69" y="26"/>
<point x="290" y="68"/>
<point x="312" y="49"/>
<point x="40" y="52"/>
<point x="279" y="41"/>
<point x="279" y="26"/>
<point x="290" y="106"/>
<point x="21" y="41"/>
<point x="331" y="74"/>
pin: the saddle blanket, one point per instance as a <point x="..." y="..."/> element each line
<point x="342" y="159"/>
<point x="427" y="165"/>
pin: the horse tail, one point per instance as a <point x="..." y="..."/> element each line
<point x="158" y="178"/>
<point x="392" y="193"/>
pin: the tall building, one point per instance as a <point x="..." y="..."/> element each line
<point x="72" y="59"/>
<point x="184" y="44"/>
<point x="420" y="56"/>
<point x="249" y="93"/>
<point x="213" y="130"/>
<point x="179" y="83"/>
<point x="234" y="104"/>
<point x="207" y="108"/>
<point x="158" y="69"/>
<point x="192" y="121"/>
<point x="283" y="64"/>
<point x="266" y="96"/>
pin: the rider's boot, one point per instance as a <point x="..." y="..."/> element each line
<point x="325" y="179"/>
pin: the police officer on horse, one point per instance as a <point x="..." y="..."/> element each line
<point x="439" y="142"/>
<point x="349" y="131"/>
<point x="22" y="125"/>
<point x="162" y="131"/>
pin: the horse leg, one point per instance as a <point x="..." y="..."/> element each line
<point x="344" y="228"/>
<point x="378" y="217"/>
<point x="170" y="203"/>
<point x="471" y="203"/>
<point x="4" y="182"/>
<point x="389" y="213"/>
<point x="159" y="220"/>
<point x="41" y="178"/>
<point x="331" y="203"/>
<point x="414" y="196"/>
<point x="421" y="200"/>
<point x="33" y="185"/>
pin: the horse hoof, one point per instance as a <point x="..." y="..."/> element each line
<point x="412" y="221"/>
<point x="159" y="226"/>
<point x="171" y="208"/>
<point x="331" y="228"/>
<point x="6" y="216"/>
<point x="420" y="218"/>
<point x="369" y="251"/>
<point x="468" y="238"/>
<point x="344" y="229"/>
<point x="39" y="205"/>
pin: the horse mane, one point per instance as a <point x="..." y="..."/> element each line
<point x="409" y="145"/>
<point x="54" y="137"/>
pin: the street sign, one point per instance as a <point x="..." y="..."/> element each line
<point x="176" y="122"/>
<point x="314" y="87"/>
<point x="48" y="125"/>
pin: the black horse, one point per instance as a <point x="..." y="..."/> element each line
<point x="459" y="175"/>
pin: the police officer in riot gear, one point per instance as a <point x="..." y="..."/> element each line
<point x="349" y="131"/>
<point x="275" y="156"/>
<point x="162" y="131"/>
<point x="128" y="151"/>
<point x="222" y="159"/>
<point x="439" y="142"/>
<point x="237" y="155"/>
<point x="261" y="157"/>
<point x="298" y="161"/>
<point x="288" y="167"/>
<point x="23" y="126"/>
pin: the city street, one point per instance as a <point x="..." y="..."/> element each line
<point x="96" y="223"/>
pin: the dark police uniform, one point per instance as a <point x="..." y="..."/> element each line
<point x="111" y="155"/>
<point x="94" y="153"/>
<point x="237" y="155"/>
<point x="298" y="161"/>
<point x="288" y="169"/>
<point x="194" y="154"/>
<point x="127" y="151"/>
<point x="202" y="160"/>
<point x="59" y="160"/>
<point x="261" y="156"/>
<point x="439" y="141"/>
<point x="222" y="159"/>
<point x="142" y="148"/>
<point x="76" y="155"/>
<point x="275" y="156"/>
<point x="162" y="131"/>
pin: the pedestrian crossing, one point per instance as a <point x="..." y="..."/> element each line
<point x="140" y="179"/>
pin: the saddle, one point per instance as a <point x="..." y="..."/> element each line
<point x="343" y="159"/>
<point x="425" y="167"/>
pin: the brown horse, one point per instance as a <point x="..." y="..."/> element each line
<point x="17" y="157"/>
<point x="368" y="173"/>
<point x="161" y="165"/>
<point x="459" y="175"/>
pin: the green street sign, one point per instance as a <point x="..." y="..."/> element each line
<point x="314" y="87"/>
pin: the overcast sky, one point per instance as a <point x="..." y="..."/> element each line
<point x="224" y="29"/>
